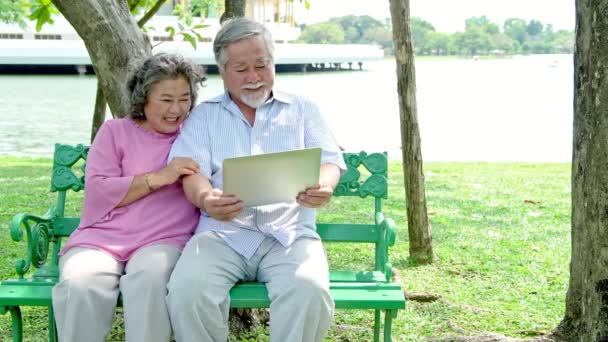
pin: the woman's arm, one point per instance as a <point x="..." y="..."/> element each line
<point x="147" y="183"/>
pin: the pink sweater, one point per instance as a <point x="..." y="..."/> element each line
<point x="122" y="150"/>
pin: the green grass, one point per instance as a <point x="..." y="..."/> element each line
<point x="501" y="234"/>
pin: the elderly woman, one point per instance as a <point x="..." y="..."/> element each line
<point x="135" y="219"/>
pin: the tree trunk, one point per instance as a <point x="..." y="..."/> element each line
<point x="242" y="320"/>
<point x="586" y="317"/>
<point x="419" y="230"/>
<point x="233" y="8"/>
<point x="114" y="41"/>
<point x="99" y="113"/>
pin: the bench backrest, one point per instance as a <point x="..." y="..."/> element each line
<point x="366" y="177"/>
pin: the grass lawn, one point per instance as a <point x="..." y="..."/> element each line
<point x="501" y="234"/>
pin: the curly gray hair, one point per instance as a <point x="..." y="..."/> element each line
<point x="160" y="67"/>
<point x="234" y="30"/>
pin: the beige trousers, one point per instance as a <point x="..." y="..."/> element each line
<point x="297" y="278"/>
<point x="90" y="280"/>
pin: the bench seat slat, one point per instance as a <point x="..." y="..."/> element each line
<point x="18" y="295"/>
<point x="353" y="298"/>
<point x="360" y="276"/>
<point x="254" y="295"/>
<point x="336" y="232"/>
<point x="345" y="295"/>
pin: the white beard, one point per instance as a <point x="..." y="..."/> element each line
<point x="257" y="98"/>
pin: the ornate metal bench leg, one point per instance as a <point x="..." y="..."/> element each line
<point x="388" y="321"/>
<point x="52" y="326"/>
<point x="17" y="321"/>
<point x="376" y="325"/>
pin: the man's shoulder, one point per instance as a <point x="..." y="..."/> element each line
<point x="300" y="103"/>
<point x="206" y="107"/>
<point x="287" y="97"/>
<point x="216" y="99"/>
<point x="298" y="100"/>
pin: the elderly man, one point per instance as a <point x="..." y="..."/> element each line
<point x="273" y="244"/>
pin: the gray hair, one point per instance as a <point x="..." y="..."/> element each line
<point x="234" y="30"/>
<point x="160" y="67"/>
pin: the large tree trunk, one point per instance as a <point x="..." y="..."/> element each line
<point x="242" y="320"/>
<point x="233" y="8"/>
<point x="99" y="113"/>
<point x="114" y="41"/>
<point x="419" y="230"/>
<point x="586" y="317"/>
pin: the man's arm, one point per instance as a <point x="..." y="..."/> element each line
<point x="199" y="191"/>
<point x="320" y="195"/>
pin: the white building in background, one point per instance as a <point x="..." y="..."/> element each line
<point x="59" y="44"/>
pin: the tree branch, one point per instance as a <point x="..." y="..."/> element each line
<point x="150" y="13"/>
<point x="133" y="4"/>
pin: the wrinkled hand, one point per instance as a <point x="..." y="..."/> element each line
<point x="180" y="166"/>
<point x="315" y="197"/>
<point x="219" y="206"/>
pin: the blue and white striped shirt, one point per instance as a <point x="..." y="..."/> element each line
<point x="216" y="129"/>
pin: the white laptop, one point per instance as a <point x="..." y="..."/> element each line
<point x="272" y="177"/>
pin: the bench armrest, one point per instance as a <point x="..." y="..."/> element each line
<point x="387" y="231"/>
<point x="38" y="230"/>
<point x="391" y="231"/>
<point x="388" y="226"/>
<point x="388" y="271"/>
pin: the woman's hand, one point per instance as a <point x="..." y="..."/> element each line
<point x="180" y="166"/>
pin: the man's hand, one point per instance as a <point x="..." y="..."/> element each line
<point x="219" y="206"/>
<point x="315" y="197"/>
<point x="318" y="196"/>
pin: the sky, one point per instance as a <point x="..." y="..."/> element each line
<point x="446" y="15"/>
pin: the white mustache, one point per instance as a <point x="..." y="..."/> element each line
<point x="253" y="85"/>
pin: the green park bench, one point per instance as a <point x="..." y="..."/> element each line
<point x="361" y="289"/>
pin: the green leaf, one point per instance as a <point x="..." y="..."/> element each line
<point x="35" y="14"/>
<point x="42" y="12"/>
<point x="198" y="35"/>
<point x="181" y="26"/>
<point x="52" y="9"/>
<point x="171" y="30"/>
<point x="39" y="24"/>
<point x="44" y="16"/>
<point x="190" y="39"/>
<point x="307" y="4"/>
<point x="200" y="26"/>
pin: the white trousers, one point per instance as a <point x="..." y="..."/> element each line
<point x="297" y="278"/>
<point x="85" y="298"/>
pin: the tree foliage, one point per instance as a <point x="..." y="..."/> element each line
<point x="14" y="11"/>
<point x="350" y="29"/>
<point x="323" y="33"/>
<point x="480" y="36"/>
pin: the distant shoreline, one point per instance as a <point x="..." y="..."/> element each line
<point x="456" y="57"/>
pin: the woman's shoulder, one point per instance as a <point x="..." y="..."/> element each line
<point x="119" y="124"/>
<point x="115" y="128"/>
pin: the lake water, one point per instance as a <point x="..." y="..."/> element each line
<point x="512" y="109"/>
